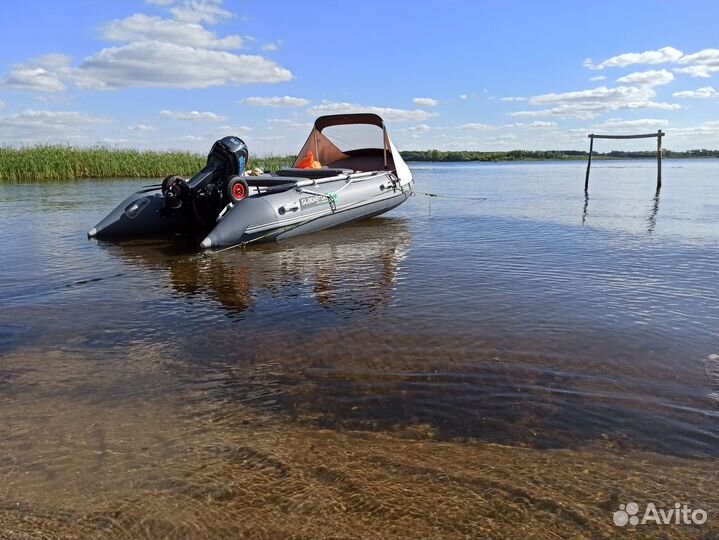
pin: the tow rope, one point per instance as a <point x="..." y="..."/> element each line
<point x="450" y="196"/>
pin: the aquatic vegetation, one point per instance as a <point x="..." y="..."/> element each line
<point x="48" y="163"/>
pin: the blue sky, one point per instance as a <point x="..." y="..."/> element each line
<point x="448" y="75"/>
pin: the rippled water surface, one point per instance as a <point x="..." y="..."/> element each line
<point x="457" y="368"/>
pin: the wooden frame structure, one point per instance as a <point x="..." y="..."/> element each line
<point x="659" y="134"/>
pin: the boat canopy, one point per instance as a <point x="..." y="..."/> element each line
<point x="354" y="141"/>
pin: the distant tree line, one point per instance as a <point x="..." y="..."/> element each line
<point x="538" y="155"/>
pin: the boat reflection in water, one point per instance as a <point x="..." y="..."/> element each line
<point x="353" y="267"/>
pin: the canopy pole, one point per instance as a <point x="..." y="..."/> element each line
<point x="384" y="144"/>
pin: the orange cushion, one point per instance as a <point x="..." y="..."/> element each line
<point x="308" y="162"/>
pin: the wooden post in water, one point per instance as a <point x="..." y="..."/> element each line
<point x="659" y="159"/>
<point x="589" y="162"/>
<point x="659" y="134"/>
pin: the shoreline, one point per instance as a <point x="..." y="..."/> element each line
<point x="58" y="163"/>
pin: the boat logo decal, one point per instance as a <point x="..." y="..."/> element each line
<point x="314" y="200"/>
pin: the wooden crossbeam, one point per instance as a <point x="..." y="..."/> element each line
<point x="642" y="136"/>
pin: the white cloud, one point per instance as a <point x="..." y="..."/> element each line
<point x="2" y="104"/>
<point x="601" y="94"/>
<point x="700" y="93"/>
<point x="52" y="118"/>
<point x="387" y="113"/>
<point x="272" y="46"/>
<point x="425" y="102"/>
<point x="231" y="130"/>
<point x="648" y="123"/>
<point x="141" y="27"/>
<point x="661" y="56"/>
<point x="706" y="57"/>
<point x="38" y="74"/>
<point x="141" y="128"/>
<point x="32" y="125"/>
<point x="193" y="115"/>
<point x="463" y="97"/>
<point x="191" y="138"/>
<point x="652" y="77"/>
<point x="159" y="2"/>
<point x="706" y="129"/>
<point x="34" y="79"/>
<point x="159" y="64"/>
<point x="198" y="11"/>
<point x="586" y="104"/>
<point x="157" y="52"/>
<point x="699" y="71"/>
<point x="702" y="64"/>
<point x="290" y="123"/>
<point x="512" y="99"/>
<point x="476" y="126"/>
<point x="591" y="110"/>
<point x="417" y="131"/>
<point x="54" y="98"/>
<point x="598" y="78"/>
<point x="542" y="124"/>
<point x="276" y="101"/>
<point x="114" y="140"/>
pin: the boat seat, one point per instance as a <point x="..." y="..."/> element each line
<point x="312" y="174"/>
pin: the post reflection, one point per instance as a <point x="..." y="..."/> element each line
<point x="652" y="219"/>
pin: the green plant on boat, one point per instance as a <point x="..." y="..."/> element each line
<point x="48" y="163"/>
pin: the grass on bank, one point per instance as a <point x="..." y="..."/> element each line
<point x="47" y="163"/>
<point x="42" y="163"/>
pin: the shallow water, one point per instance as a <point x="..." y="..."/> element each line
<point x="456" y="368"/>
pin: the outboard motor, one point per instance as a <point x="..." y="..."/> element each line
<point x="179" y="204"/>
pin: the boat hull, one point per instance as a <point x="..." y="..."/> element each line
<point x="263" y="216"/>
<point x="296" y="212"/>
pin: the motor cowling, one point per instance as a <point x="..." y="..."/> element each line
<point x="230" y="154"/>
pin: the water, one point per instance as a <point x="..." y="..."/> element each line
<point x="456" y="368"/>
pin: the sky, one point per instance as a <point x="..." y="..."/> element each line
<point x="451" y="75"/>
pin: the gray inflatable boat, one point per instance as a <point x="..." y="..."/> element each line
<point x="361" y="175"/>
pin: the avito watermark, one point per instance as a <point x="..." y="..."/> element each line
<point x="679" y="514"/>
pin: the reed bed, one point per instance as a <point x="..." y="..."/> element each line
<point x="52" y="163"/>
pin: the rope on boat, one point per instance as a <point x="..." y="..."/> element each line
<point x="331" y="199"/>
<point x="450" y="196"/>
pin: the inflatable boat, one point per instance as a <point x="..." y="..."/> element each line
<point x="347" y="170"/>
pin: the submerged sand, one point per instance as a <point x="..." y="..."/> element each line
<point x="81" y="456"/>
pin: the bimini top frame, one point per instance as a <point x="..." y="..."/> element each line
<point x="325" y="151"/>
